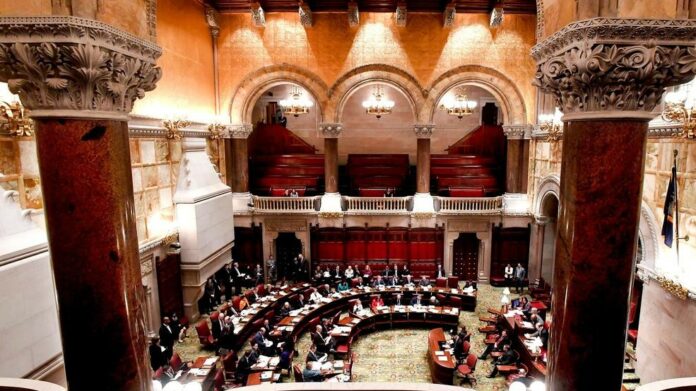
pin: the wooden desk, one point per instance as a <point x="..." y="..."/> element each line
<point x="441" y="372"/>
<point x="254" y="379"/>
<point x="537" y="367"/>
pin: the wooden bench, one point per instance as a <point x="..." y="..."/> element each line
<point x="467" y="181"/>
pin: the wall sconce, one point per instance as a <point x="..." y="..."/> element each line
<point x="552" y="125"/>
<point x="14" y="120"/>
<point x="174" y="127"/>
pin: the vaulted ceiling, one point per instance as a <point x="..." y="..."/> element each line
<point x="462" y="6"/>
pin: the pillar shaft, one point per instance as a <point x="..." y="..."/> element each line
<point x="88" y="197"/>
<point x="601" y="179"/>
<point x="423" y="166"/>
<point x="517" y="165"/>
<point x="331" y="165"/>
<point x="240" y="169"/>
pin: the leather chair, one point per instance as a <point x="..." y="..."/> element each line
<point x="453" y="282"/>
<point x="466" y="347"/>
<point x="261" y="290"/>
<point x="158" y="374"/>
<point x="236" y="302"/>
<point x="442" y="299"/>
<point x="441" y="282"/>
<point x="354" y="282"/>
<point x="175" y="362"/>
<point x="229" y="364"/>
<point x="343" y="349"/>
<point x="219" y="383"/>
<point x="297" y="372"/>
<point x="466" y="371"/>
<point x="205" y="337"/>
<point x="456" y="302"/>
<point x="336" y="318"/>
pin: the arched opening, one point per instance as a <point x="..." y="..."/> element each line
<point x="287" y="248"/>
<point x="549" y="210"/>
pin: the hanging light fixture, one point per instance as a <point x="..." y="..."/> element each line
<point x="378" y="105"/>
<point x="297" y="104"/>
<point x="680" y="107"/>
<point x="552" y="125"/>
<point x="458" y="104"/>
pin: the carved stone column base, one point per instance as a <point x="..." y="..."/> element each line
<point x="423" y="203"/>
<point x="331" y="203"/>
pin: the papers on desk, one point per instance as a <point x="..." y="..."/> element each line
<point x="200" y="371"/>
<point x="293" y="289"/>
<point x="268" y="343"/>
<point x="296" y="319"/>
<point x="356" y="320"/>
<point x="210" y="362"/>
<point x="527" y="325"/>
<point x="342" y="329"/>
<point x="442" y="358"/>
<point x="455" y="291"/>
<point x="295" y="312"/>
<point x="326" y="300"/>
<point x="305" y="285"/>
<point x="284" y="286"/>
<point x="326" y="365"/>
<point x="338" y="364"/>
<point x="439" y="353"/>
<point x="381" y="307"/>
<point x="469" y="290"/>
<point x="274" y="361"/>
<point x="434" y="310"/>
<point x="266" y="375"/>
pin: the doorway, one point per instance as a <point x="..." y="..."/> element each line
<point x="288" y="246"/>
<point x="465" y="257"/>
<point x="549" y="207"/>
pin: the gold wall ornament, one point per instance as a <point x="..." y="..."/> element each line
<point x="174" y="127"/>
<point x="331" y="215"/>
<point x="423" y="215"/>
<point x="171" y="238"/>
<point x="551" y="125"/>
<point x="14" y="120"/>
<point x="673" y="287"/>
<point x="679" y="109"/>
<point x="216" y="131"/>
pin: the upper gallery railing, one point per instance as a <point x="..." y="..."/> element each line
<point x="286" y="204"/>
<point x="377" y="205"/>
<point x="466" y="205"/>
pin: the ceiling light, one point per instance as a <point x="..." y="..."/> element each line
<point x="378" y="105"/>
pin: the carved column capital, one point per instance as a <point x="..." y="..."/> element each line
<point x="238" y="131"/>
<point x="518" y="132"/>
<point x="330" y="130"/>
<point x="63" y="66"/>
<point x="615" y="68"/>
<point x="211" y="18"/>
<point x="423" y="130"/>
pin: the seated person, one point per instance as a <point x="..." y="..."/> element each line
<point x="348" y="274"/>
<point x="327" y="274"/>
<point x="398" y="300"/>
<point x="433" y="300"/>
<point x="255" y="353"/>
<point x="252" y="297"/>
<point x="519" y="376"/>
<point x="378" y="282"/>
<point x="299" y="302"/>
<point x="157" y="358"/>
<point x="318" y="274"/>
<point x="357" y="308"/>
<point x="343" y="286"/>
<point x="265" y="344"/>
<point x="334" y="293"/>
<point x="424" y="282"/>
<point x="285" y="310"/>
<point x="367" y="273"/>
<point x="470" y="284"/>
<point x="416" y="300"/>
<point x="387" y="272"/>
<point x="508" y="358"/>
<point x="407" y="280"/>
<point x="540" y="332"/>
<point x="405" y="271"/>
<point x="313" y="355"/>
<point x="496" y="346"/>
<point x="356" y="271"/>
<point x="535" y="318"/>
<point x="316" y="297"/>
<point x="360" y="283"/>
<point x="376" y="302"/>
<point x="523" y="304"/>
<point x="244" y="366"/>
<point x="337" y="273"/>
<point x="312" y="375"/>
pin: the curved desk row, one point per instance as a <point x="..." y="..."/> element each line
<point x="440" y="361"/>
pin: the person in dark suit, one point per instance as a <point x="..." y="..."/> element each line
<point x="319" y="341"/>
<point x="313" y="355"/>
<point x="405" y="271"/>
<point x="167" y="337"/>
<point x="424" y="281"/>
<point x="312" y="375"/>
<point x="502" y="340"/>
<point x="508" y="358"/>
<point x="244" y="366"/>
<point x="254" y="356"/>
<point x="238" y="278"/>
<point x="379" y="282"/>
<point x="416" y="300"/>
<point x="261" y="339"/>
<point x="285" y="311"/>
<point x="216" y="327"/>
<point x="540" y="332"/>
<point x="157" y="358"/>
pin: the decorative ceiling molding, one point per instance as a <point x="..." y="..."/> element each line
<point x="401" y="15"/>
<point x="448" y="16"/>
<point x="353" y="14"/>
<point x="239" y="131"/>
<point x="305" y="12"/>
<point x="518" y="132"/>
<point x="606" y="67"/>
<point x="665" y="131"/>
<point x="423" y="130"/>
<point x="152" y="19"/>
<point x="63" y="66"/>
<point x="539" y="19"/>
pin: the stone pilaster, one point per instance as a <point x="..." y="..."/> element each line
<point x="79" y="79"/>
<point x="517" y="166"/>
<point x="331" y="200"/>
<point x="423" y="200"/>
<point x="607" y="75"/>
<point x="237" y="164"/>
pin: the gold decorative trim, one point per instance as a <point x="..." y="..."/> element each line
<point x="330" y="215"/>
<point x="673" y="287"/>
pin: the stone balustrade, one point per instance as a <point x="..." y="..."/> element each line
<point x="478" y="206"/>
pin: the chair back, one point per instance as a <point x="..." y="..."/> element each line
<point x="466" y="346"/>
<point x="261" y="290"/>
<point x="219" y="381"/>
<point x="158" y="373"/>
<point x="236" y="302"/>
<point x="175" y="362"/>
<point x="336" y="318"/>
<point x="298" y="373"/>
<point x="453" y="282"/>
<point x="215" y="315"/>
<point x="354" y="282"/>
<point x="257" y="324"/>
<point x="441" y="298"/>
<point x="309" y="292"/>
<point x="203" y="330"/>
<point x="456" y="302"/>
<point x="441" y="282"/>
<point x="270" y="315"/>
<point x="184" y="321"/>
<point x="229" y="362"/>
<point x="471" y="361"/>
<point x="313" y="323"/>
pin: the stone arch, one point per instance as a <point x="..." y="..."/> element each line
<point x="347" y="84"/>
<point x="502" y="88"/>
<point x="257" y="82"/>
<point x="550" y="185"/>
<point x="647" y="231"/>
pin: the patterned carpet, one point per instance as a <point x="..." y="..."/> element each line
<point x="396" y="355"/>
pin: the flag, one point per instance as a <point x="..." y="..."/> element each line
<point x="668" y="223"/>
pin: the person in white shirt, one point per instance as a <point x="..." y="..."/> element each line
<point x="440" y="272"/>
<point x="357" y="307"/>
<point x="316" y="297"/>
<point x="349" y="272"/>
<point x="508" y="274"/>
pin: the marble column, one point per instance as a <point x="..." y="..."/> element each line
<point x="517" y="166"/>
<point x="331" y="200"/>
<point x="237" y="164"/>
<point x="607" y="88"/>
<point x="423" y="200"/>
<point x="90" y="76"/>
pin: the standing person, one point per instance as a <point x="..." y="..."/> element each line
<point x="509" y="274"/>
<point x="520" y="274"/>
<point x="258" y="275"/>
<point x="166" y="336"/>
<point x="440" y="271"/>
<point x="238" y="276"/>
<point x="271" y="263"/>
<point x="157" y="358"/>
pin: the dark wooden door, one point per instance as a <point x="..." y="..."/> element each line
<point x="489" y="114"/>
<point x="287" y="247"/>
<point x="169" y="283"/>
<point x="465" y="262"/>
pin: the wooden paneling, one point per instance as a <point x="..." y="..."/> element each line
<point x="465" y="252"/>
<point x="248" y="246"/>
<point x="510" y="245"/>
<point x="169" y="283"/>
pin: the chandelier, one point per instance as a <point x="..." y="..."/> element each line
<point x="14" y="120"/>
<point x="680" y="107"/>
<point x="458" y="105"/>
<point x="378" y="105"/>
<point x="297" y="104"/>
<point x="552" y="125"/>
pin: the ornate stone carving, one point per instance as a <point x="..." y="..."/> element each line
<point x="601" y="65"/>
<point x="517" y="132"/>
<point x="286" y="225"/>
<point x="423" y="130"/>
<point x="665" y="130"/>
<point x="448" y="16"/>
<point x="330" y="130"/>
<point x="211" y="17"/>
<point x="152" y="19"/>
<point x="401" y="15"/>
<point x="68" y="66"/>
<point x="305" y="14"/>
<point x="540" y="19"/>
<point x="258" y="15"/>
<point x="239" y="131"/>
<point x="353" y="14"/>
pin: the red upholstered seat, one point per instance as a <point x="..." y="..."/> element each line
<point x="468" y="367"/>
<point x="158" y="373"/>
<point x="456" y="302"/>
<point x="441" y="282"/>
<point x="205" y="337"/>
<point x="261" y="290"/>
<point x="236" y="302"/>
<point x="215" y="315"/>
<point x="633" y="336"/>
<point x="229" y="363"/>
<point x="175" y="362"/>
<point x="466" y="346"/>
<point x="453" y="282"/>
<point x="298" y="373"/>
